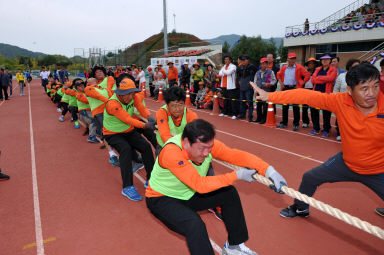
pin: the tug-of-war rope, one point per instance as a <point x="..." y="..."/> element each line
<point x="337" y="213"/>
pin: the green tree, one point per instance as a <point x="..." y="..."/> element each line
<point x="226" y="47"/>
<point x="283" y="53"/>
<point x="255" y="47"/>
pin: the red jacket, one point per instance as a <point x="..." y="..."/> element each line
<point x="301" y="75"/>
<point x="328" y="79"/>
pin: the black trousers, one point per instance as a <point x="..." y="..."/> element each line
<point x="180" y="216"/>
<point x="73" y="110"/>
<point x="98" y="122"/>
<point x="124" y="143"/>
<point x="172" y="83"/>
<point x="304" y="114"/>
<point x="44" y="83"/>
<point x="335" y="170"/>
<point x="262" y="109"/>
<point x="195" y="89"/>
<point x="231" y="107"/>
<point x="151" y="88"/>
<point x="3" y="90"/>
<point x="65" y="108"/>
<point x="316" y="119"/>
<point x="296" y="111"/>
<point x="149" y="134"/>
<point x="337" y="128"/>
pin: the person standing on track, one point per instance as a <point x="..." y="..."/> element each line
<point x="98" y="95"/>
<point x="173" y="75"/>
<point x="360" y="114"/>
<point x="4" y="83"/>
<point x="44" y="78"/>
<point x="179" y="187"/>
<point x="119" y="131"/>
<point x="10" y="77"/>
<point x="21" y="81"/>
<point x="292" y="76"/>
<point x="228" y="86"/>
<point x="323" y="79"/>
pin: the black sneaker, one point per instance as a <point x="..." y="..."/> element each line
<point x="281" y="125"/>
<point x="293" y="211"/>
<point x="3" y="177"/>
<point x="86" y="132"/>
<point x="262" y="122"/>
<point x="380" y="211"/>
<point x="295" y="128"/>
<point x="216" y="212"/>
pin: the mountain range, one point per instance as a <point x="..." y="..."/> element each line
<point x="232" y="40"/>
<point x="11" y="51"/>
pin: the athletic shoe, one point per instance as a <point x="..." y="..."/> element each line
<point x="61" y="118"/>
<point x="338" y="138"/>
<point x="114" y="161"/>
<point x="314" y="132"/>
<point x="216" y="212"/>
<point x="131" y="193"/>
<point x="92" y="139"/>
<point x="305" y="125"/>
<point x="102" y="147"/>
<point x="221" y="114"/>
<point x="293" y="211"/>
<point x="3" y="177"/>
<point x="58" y="109"/>
<point x="380" y="211"/>
<point x="136" y="167"/>
<point x="77" y="126"/>
<point x="281" y="125"/>
<point x="146" y="185"/>
<point x="233" y="117"/>
<point x="240" y="249"/>
<point x="10" y="96"/>
<point x="295" y="128"/>
<point x="325" y="134"/>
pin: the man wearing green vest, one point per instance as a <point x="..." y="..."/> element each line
<point x="72" y="104"/>
<point x="119" y="131"/>
<point x="179" y="187"/>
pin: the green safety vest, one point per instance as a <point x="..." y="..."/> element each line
<point x="60" y="93"/>
<point x="65" y="98"/>
<point x="81" y="105"/>
<point x="111" y="122"/>
<point x="73" y="100"/>
<point x="165" y="182"/>
<point x="172" y="127"/>
<point x="94" y="103"/>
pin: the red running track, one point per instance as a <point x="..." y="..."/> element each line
<point x="82" y="210"/>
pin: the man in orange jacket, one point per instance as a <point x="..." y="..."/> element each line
<point x="179" y="187"/>
<point x="292" y="76"/>
<point x="173" y="75"/>
<point x="360" y="114"/>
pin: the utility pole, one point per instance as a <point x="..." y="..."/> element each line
<point x="165" y="27"/>
<point x="174" y="22"/>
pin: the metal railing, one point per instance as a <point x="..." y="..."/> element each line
<point x="372" y="53"/>
<point x="346" y="10"/>
<point x="336" y="22"/>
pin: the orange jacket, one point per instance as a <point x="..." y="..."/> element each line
<point x="163" y="125"/>
<point x="173" y="74"/>
<point x="301" y="75"/>
<point x="161" y="70"/>
<point x="91" y="92"/>
<point x="171" y="155"/>
<point x="208" y="97"/>
<point x="362" y="136"/>
<point x="328" y="79"/>
<point x="114" y="108"/>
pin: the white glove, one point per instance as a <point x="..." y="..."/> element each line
<point x="246" y="174"/>
<point x="276" y="178"/>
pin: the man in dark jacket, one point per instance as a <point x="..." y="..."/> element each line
<point x="4" y="84"/>
<point x="185" y="76"/>
<point x="247" y="74"/>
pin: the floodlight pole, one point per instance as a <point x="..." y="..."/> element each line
<point x="165" y="27"/>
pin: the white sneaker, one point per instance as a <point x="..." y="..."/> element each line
<point x="59" y="110"/>
<point x="233" y="117"/>
<point x="305" y="125"/>
<point x="61" y="118"/>
<point x="338" y="138"/>
<point x="221" y="114"/>
<point x="240" y="250"/>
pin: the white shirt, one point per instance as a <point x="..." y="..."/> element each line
<point x="231" y="76"/>
<point x="44" y="75"/>
<point x="141" y="77"/>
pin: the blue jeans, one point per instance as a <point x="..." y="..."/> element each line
<point x="246" y="95"/>
<point x="335" y="170"/>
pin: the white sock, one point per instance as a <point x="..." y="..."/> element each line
<point x="112" y="153"/>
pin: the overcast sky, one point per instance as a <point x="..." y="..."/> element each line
<point x="59" y="26"/>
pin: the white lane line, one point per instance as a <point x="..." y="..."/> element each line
<point x="36" y="204"/>
<point x="265" y="145"/>
<point x="215" y="246"/>
<point x="277" y="129"/>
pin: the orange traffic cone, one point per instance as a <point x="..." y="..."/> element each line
<point x="145" y="92"/>
<point x="216" y="107"/>
<point x="271" y="121"/>
<point x="160" y="98"/>
<point x="188" y="100"/>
